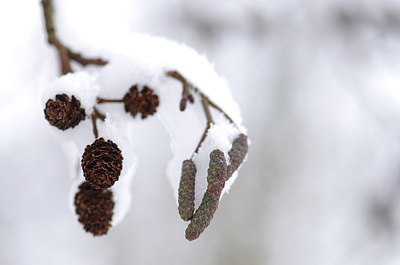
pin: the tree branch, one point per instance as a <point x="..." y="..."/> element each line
<point x="77" y="57"/>
<point x="186" y="91"/>
<point x="52" y="37"/>
<point x="206" y="108"/>
<point x="64" y="53"/>
<point x="186" y="95"/>
<point x="94" y="116"/>
<point x="205" y="101"/>
<point x="105" y="100"/>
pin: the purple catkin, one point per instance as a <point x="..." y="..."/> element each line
<point x="237" y="154"/>
<point x="186" y="190"/>
<point x="217" y="171"/>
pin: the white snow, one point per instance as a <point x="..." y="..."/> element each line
<point x="144" y="60"/>
<point x="79" y="84"/>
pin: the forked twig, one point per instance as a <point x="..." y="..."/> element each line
<point x="65" y="54"/>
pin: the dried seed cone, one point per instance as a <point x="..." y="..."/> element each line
<point x="94" y="208"/>
<point x="131" y="101"/>
<point x="145" y="102"/>
<point x="64" y="113"/>
<point x="217" y="172"/>
<point x="237" y="154"/>
<point x="186" y="190"/>
<point x="102" y="163"/>
<point x="150" y="102"/>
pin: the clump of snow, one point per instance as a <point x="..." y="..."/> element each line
<point x="144" y="60"/>
<point x="79" y="84"/>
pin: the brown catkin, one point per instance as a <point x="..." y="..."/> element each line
<point x="186" y="190"/>
<point x="217" y="171"/>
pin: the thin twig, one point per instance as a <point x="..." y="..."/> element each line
<point x="77" y="57"/>
<point x="52" y="37"/>
<point x="206" y="108"/>
<point x="212" y="104"/>
<point x="206" y="102"/>
<point x="104" y="100"/>
<point x="177" y="75"/>
<point x="95" y="131"/>
<point x="99" y="115"/>
<point x="64" y="53"/>
<point x="187" y="86"/>
<point x="186" y="95"/>
<point x="96" y="115"/>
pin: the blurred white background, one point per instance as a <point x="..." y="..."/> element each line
<point x="318" y="83"/>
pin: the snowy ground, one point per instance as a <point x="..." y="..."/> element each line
<point x="319" y="90"/>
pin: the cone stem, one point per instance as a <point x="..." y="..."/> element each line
<point x="104" y="100"/>
<point x="96" y="115"/>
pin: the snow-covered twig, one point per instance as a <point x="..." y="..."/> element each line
<point x="187" y="95"/>
<point x="144" y="88"/>
<point x="206" y="108"/>
<point x="77" y="57"/>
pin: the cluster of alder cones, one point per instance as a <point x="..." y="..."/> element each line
<point x="102" y="160"/>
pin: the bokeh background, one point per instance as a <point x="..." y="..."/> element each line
<point x="318" y="83"/>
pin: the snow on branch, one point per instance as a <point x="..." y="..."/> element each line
<point x="145" y="77"/>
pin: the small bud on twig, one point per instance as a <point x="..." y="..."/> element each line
<point x="94" y="208"/>
<point x="182" y="104"/>
<point x="191" y="98"/>
<point x="217" y="171"/>
<point x="186" y="190"/>
<point x="186" y="95"/>
<point x="102" y="163"/>
<point x="64" y="113"/>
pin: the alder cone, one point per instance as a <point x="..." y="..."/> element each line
<point x="102" y="163"/>
<point x="94" y="208"/>
<point x="145" y="102"/>
<point x="64" y="113"/>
